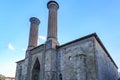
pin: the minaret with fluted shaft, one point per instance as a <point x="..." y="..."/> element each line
<point x="33" y="35"/>
<point x="52" y="22"/>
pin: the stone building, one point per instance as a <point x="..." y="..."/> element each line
<point x="85" y="58"/>
<point x="2" y="77"/>
<point x="9" y="78"/>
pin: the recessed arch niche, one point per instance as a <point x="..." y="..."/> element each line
<point x="36" y="70"/>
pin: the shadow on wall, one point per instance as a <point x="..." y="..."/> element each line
<point x="119" y="76"/>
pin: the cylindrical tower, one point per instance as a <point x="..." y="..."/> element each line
<point x="52" y="22"/>
<point x="33" y="35"/>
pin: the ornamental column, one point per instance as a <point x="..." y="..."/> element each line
<point x="33" y="35"/>
<point x="52" y="23"/>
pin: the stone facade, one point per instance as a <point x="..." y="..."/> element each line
<point x="82" y="59"/>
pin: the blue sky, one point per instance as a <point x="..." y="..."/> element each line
<point x="76" y="18"/>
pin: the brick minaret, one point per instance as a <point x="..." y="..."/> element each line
<point x="33" y="35"/>
<point x="52" y="23"/>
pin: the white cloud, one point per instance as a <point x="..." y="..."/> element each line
<point x="42" y="37"/>
<point x="10" y="47"/>
<point x="24" y="49"/>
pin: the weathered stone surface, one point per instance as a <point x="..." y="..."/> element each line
<point x="106" y="70"/>
<point x="80" y="60"/>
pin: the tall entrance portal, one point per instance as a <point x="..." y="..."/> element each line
<point x="36" y="70"/>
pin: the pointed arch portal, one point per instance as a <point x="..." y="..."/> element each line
<point x="36" y="70"/>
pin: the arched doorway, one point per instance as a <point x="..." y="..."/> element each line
<point x="36" y="70"/>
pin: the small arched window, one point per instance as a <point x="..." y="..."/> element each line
<point x="60" y="76"/>
<point x="70" y="58"/>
